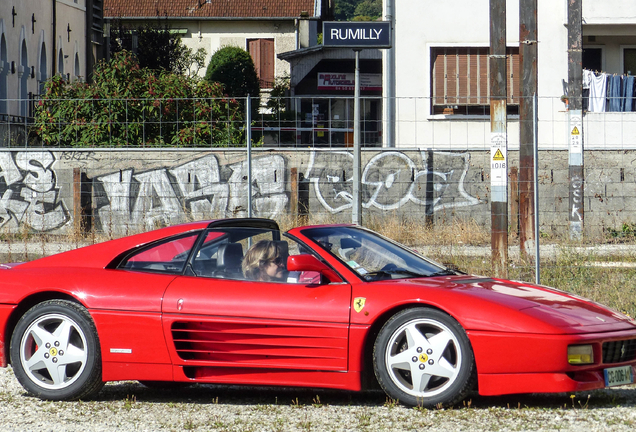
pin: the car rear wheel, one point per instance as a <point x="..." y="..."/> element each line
<point x="55" y="351"/>
<point x="422" y="357"/>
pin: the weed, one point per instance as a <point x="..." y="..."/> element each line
<point x="364" y="419"/>
<point x="317" y="403"/>
<point x="129" y="402"/>
<point x="305" y="424"/>
<point x="581" y="405"/>
<point x="391" y="403"/>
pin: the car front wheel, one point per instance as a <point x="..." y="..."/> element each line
<point x="422" y="357"/>
<point x="55" y="351"/>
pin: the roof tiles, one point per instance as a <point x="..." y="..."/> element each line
<point x="207" y="8"/>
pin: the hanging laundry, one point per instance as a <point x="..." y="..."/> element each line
<point x="598" y="88"/>
<point x="587" y="78"/>
<point x="614" y="93"/>
<point x="628" y="93"/>
<point x="587" y="82"/>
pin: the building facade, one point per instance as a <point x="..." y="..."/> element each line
<point x="39" y="39"/>
<point x="263" y="28"/>
<point x="441" y="72"/>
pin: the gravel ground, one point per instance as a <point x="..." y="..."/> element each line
<point x="129" y="406"/>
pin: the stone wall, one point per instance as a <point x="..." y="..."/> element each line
<point x="120" y="192"/>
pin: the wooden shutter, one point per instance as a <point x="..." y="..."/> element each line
<point x="460" y="76"/>
<point x="262" y="52"/>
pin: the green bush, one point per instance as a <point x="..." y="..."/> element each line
<point x="234" y="69"/>
<point x="131" y="106"/>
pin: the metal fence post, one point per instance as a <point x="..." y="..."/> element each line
<point x="356" y="209"/>
<point x="248" y="135"/>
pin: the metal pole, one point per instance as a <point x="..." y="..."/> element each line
<point x="537" y="264"/>
<point x="575" y="118"/>
<point x="528" y="84"/>
<point x="248" y="134"/>
<point x="498" y="138"/>
<point x="356" y="210"/>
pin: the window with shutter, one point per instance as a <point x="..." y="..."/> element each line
<point x="262" y="52"/>
<point x="460" y="83"/>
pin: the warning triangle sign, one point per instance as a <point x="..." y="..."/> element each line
<point x="575" y="131"/>
<point x="498" y="156"/>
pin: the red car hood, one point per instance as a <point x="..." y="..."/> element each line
<point x="547" y="304"/>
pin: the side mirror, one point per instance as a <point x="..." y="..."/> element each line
<point x="307" y="262"/>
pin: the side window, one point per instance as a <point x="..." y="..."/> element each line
<point x="167" y="257"/>
<point x="223" y="251"/>
<point x="252" y="254"/>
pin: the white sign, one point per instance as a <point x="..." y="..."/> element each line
<point x="576" y="134"/>
<point x="346" y="81"/>
<point x="498" y="159"/>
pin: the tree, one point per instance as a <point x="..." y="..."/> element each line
<point x="157" y="48"/>
<point x="233" y="67"/>
<point x="357" y="10"/>
<point x="344" y="9"/>
<point x="369" y="9"/>
<point x="127" y="106"/>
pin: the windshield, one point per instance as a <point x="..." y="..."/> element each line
<point x="371" y="256"/>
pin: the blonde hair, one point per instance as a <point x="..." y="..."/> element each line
<point x="258" y="256"/>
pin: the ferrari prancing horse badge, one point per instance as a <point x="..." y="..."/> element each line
<point x="358" y="303"/>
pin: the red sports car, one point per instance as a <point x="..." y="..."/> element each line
<point x="336" y="306"/>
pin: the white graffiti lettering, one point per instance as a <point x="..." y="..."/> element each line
<point x="29" y="193"/>
<point x="196" y="189"/>
<point x="389" y="180"/>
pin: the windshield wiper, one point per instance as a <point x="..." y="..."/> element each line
<point x="404" y="272"/>
<point x="445" y="272"/>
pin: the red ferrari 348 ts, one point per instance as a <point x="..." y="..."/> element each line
<point x="335" y="306"/>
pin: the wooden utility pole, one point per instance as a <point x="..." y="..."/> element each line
<point x="498" y="138"/>
<point x="528" y="68"/>
<point x="575" y="118"/>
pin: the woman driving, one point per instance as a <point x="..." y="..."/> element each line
<point x="265" y="261"/>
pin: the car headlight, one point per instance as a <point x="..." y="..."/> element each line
<point x="580" y="354"/>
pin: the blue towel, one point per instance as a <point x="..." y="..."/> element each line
<point x="628" y="93"/>
<point x="614" y="93"/>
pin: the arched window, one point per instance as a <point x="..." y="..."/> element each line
<point x="24" y="96"/>
<point x="60" y="63"/>
<point x="77" y="71"/>
<point x="43" y="69"/>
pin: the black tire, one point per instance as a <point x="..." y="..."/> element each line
<point x="55" y="351"/>
<point x="422" y="357"/>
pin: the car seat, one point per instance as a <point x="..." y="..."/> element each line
<point x="228" y="261"/>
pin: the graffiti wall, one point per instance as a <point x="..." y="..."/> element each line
<point x="130" y="191"/>
<point x="133" y="191"/>
<point x="30" y="194"/>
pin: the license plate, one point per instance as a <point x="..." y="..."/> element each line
<point x="618" y="376"/>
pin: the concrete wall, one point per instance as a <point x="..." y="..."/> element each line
<point x="119" y="192"/>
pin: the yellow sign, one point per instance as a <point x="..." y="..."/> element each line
<point x="358" y="303"/>
<point x="498" y="156"/>
<point x="575" y="131"/>
<point x="423" y="358"/>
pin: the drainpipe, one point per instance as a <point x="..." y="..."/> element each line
<point x="389" y="80"/>
<point x="54" y="33"/>
<point x="297" y="38"/>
